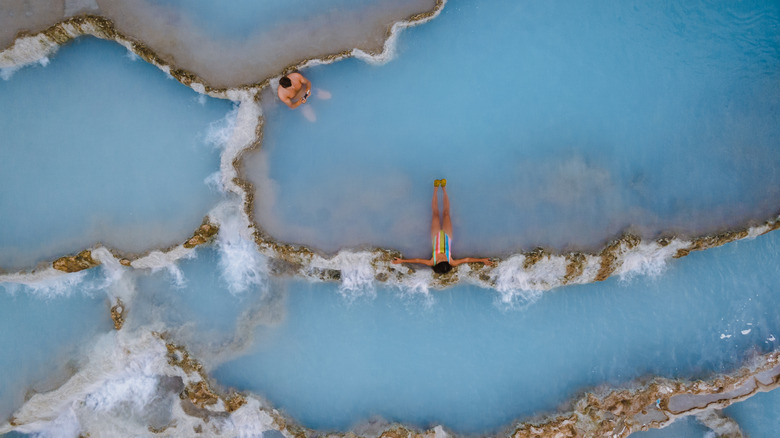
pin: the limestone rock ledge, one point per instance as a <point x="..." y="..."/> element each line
<point x="536" y="270"/>
<point x="618" y="413"/>
<point x="202" y="235"/>
<point x="76" y="263"/>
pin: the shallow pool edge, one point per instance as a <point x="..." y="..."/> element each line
<point x="203" y="404"/>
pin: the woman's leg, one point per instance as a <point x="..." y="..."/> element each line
<point x="446" y="222"/>
<point x="435" y="224"/>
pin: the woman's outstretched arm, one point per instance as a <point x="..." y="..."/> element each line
<point x="427" y="262"/>
<point x="456" y="262"/>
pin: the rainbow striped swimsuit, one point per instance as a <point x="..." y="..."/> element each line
<point x="441" y="244"/>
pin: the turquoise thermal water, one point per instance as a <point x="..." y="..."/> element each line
<point x="43" y="332"/>
<point x="557" y="124"/>
<point x="100" y="148"/>
<point x="196" y="300"/>
<point x="758" y="416"/>
<point x="468" y="363"/>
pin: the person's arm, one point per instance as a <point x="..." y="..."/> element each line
<point x="285" y="99"/>
<point x="304" y="82"/>
<point x="307" y="94"/>
<point x="456" y="262"/>
<point x="296" y="104"/>
<point x="427" y="262"/>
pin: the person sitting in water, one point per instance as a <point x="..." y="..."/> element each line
<point x="294" y="89"/>
<point x="441" y="236"/>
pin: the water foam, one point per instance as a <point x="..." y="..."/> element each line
<point x="48" y="283"/>
<point x="157" y="260"/>
<point x="26" y="51"/>
<point x="128" y="386"/>
<point x="240" y="261"/>
<point x="648" y="259"/>
<point x="235" y="134"/>
<point x="389" y="50"/>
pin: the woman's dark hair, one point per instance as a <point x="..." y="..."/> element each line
<point x="442" y="267"/>
<point x="285" y="82"/>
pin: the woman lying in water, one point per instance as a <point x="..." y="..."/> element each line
<point x="441" y="236"/>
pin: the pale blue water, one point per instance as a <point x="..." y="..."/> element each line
<point x="245" y="17"/>
<point x="467" y="363"/>
<point x="43" y="337"/>
<point x="200" y="302"/>
<point x="758" y="416"/>
<point x="99" y="148"/>
<point x="558" y="124"/>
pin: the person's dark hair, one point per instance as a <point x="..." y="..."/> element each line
<point x="285" y="82"/>
<point x="442" y="267"/>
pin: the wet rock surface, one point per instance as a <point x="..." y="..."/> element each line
<point x="235" y="401"/>
<point x="118" y="313"/>
<point x="610" y="255"/>
<point x="76" y="263"/>
<point x="618" y="413"/>
<point x="202" y="235"/>
<point x="716" y="240"/>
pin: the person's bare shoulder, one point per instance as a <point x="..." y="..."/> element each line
<point x="296" y="77"/>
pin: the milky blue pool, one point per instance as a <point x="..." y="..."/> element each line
<point x="100" y="148"/>
<point x="467" y="362"/>
<point x="196" y="301"/>
<point x="558" y="124"/>
<point x="44" y="334"/>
